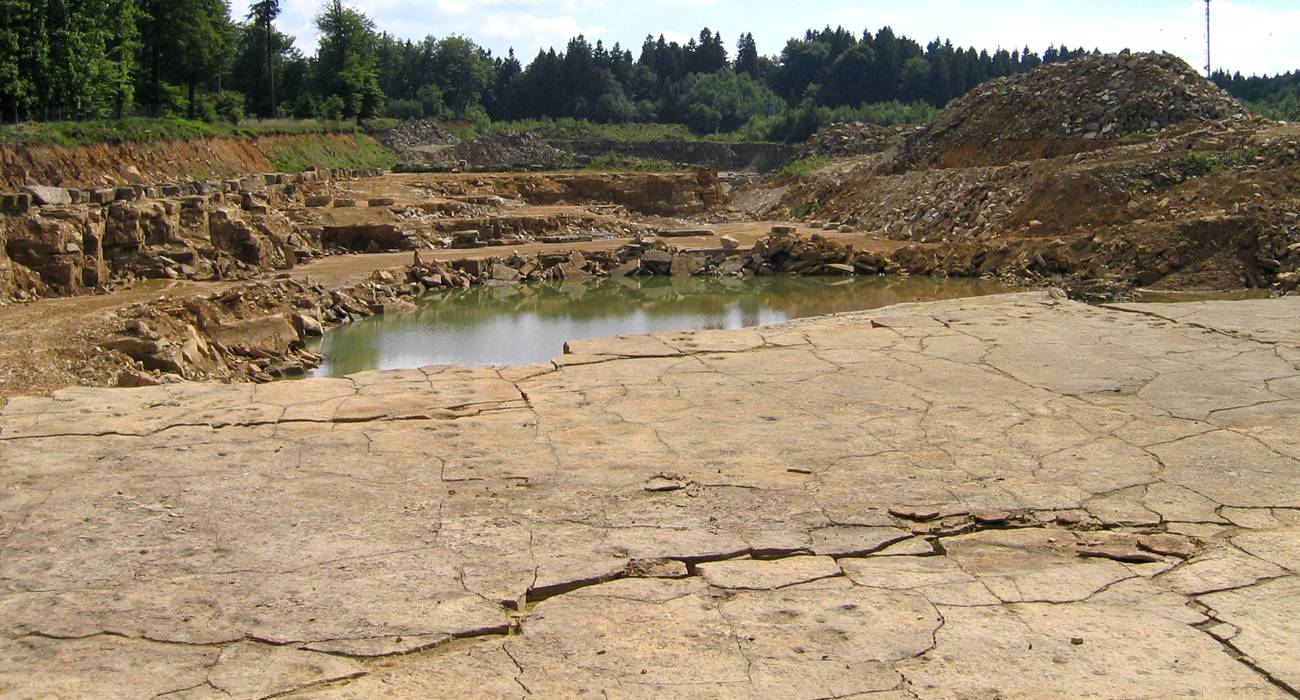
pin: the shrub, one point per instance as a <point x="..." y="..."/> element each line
<point x="331" y="108"/>
<point x="803" y="168"/>
<point x="229" y="106"/>
<point x="407" y="110"/>
<point x="703" y="119"/>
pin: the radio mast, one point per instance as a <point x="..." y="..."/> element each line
<point x="1209" y="64"/>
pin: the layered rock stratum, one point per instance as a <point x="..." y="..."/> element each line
<point x="1013" y="496"/>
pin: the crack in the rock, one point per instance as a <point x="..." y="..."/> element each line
<point x="1235" y="653"/>
<point x="196" y="686"/>
<point x="1190" y="324"/>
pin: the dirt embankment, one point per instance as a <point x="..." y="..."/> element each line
<point x="1068" y="108"/>
<point x="107" y="165"/>
<point x="1116" y="172"/>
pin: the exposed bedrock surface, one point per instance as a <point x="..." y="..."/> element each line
<point x="1011" y="496"/>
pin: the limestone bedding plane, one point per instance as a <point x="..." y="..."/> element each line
<point x="1004" y="497"/>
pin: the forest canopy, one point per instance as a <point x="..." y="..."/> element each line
<point x="111" y="59"/>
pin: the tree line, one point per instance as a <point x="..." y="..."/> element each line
<point x="1276" y="97"/>
<point x="83" y="59"/>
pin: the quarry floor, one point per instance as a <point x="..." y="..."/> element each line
<point x="1004" y="497"/>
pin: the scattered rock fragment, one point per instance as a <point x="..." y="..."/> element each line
<point x="1069" y="518"/>
<point x="657" y="568"/>
<point x="917" y="513"/>
<point x="663" y="483"/>
<point x="1168" y="545"/>
<point x="1119" y="553"/>
<point x="993" y="517"/>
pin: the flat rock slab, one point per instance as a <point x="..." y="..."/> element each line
<point x="891" y="503"/>
<point x="750" y="574"/>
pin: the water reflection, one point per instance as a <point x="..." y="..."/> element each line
<point x="525" y="324"/>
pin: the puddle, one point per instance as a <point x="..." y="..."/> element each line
<point x="528" y="324"/>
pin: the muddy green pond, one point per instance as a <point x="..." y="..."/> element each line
<point x="530" y="323"/>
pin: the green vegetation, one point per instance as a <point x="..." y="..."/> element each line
<point x="144" y="130"/>
<point x="614" y="162"/>
<point x="569" y="129"/>
<point x="799" y="124"/>
<point x="330" y="151"/>
<point x="808" y="209"/>
<point x="801" y="169"/>
<point x="1276" y="97"/>
<point x="1202" y="163"/>
<point x="92" y="60"/>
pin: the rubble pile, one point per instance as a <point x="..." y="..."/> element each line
<point x="854" y="139"/>
<point x="510" y="151"/>
<point x="1099" y="98"/>
<point x="251" y="332"/>
<point x="417" y="141"/>
<point x="782" y="252"/>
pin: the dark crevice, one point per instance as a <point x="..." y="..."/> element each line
<point x="1241" y="657"/>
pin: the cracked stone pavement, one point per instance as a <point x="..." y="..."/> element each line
<point x="1005" y="497"/>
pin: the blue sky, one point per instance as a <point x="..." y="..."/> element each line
<point x="1253" y="36"/>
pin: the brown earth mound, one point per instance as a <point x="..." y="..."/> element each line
<point x="1212" y="206"/>
<point x="1068" y="108"/>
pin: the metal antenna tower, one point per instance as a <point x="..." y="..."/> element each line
<point x="1209" y="64"/>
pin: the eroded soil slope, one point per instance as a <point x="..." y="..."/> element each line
<point x="1179" y="193"/>
<point x="108" y="165"/>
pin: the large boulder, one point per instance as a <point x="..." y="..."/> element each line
<point x="45" y="195"/>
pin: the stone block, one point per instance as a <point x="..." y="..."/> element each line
<point x="43" y="195"/>
<point x="17" y="202"/>
<point x="685" y="266"/>
<point x="654" y="255"/>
